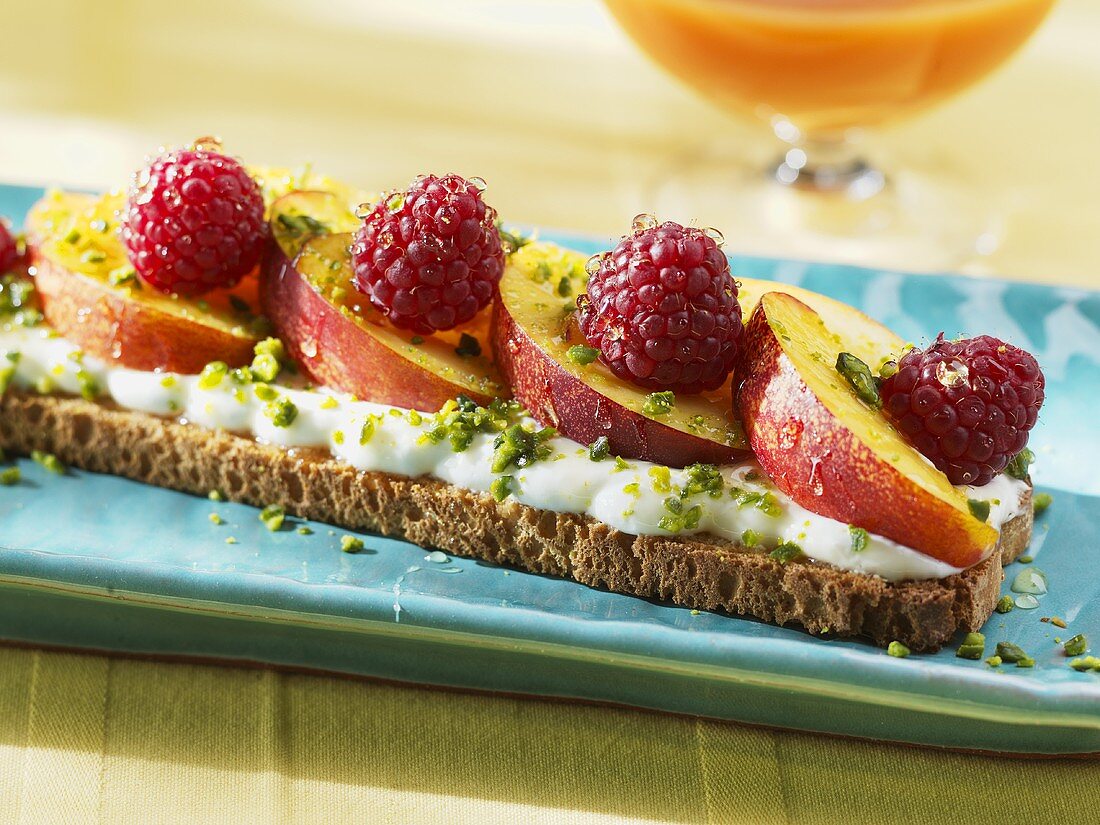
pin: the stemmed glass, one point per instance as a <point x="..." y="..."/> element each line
<point x="819" y="72"/>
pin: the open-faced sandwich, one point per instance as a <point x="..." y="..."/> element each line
<point x="640" y="420"/>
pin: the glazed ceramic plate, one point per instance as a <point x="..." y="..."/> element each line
<point x="98" y="562"/>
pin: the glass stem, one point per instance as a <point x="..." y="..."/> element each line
<point x="829" y="164"/>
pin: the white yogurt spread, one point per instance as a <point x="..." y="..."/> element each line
<point x="625" y="497"/>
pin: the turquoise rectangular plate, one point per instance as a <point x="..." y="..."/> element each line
<point x="98" y="562"/>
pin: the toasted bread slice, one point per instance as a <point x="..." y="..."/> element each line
<point x="697" y="571"/>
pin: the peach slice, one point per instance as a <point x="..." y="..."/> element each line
<point x="533" y="332"/>
<point x="88" y="296"/>
<point x="335" y="334"/>
<point x="832" y="452"/>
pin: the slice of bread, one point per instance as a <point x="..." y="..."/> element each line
<point x="697" y="571"/>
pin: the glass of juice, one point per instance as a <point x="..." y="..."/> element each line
<point x="819" y="72"/>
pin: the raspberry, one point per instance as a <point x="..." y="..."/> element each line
<point x="966" y="405"/>
<point x="662" y="309"/>
<point x="430" y="257"/>
<point x="194" y="221"/>
<point x="9" y="252"/>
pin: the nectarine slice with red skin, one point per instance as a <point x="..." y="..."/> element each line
<point x="342" y="342"/>
<point x="834" y="454"/>
<point x="129" y="324"/>
<point x="533" y="331"/>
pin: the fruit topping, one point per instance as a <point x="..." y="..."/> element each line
<point x="339" y="338"/>
<point x="9" y="249"/>
<point x="662" y="308"/>
<point x="194" y="221"/>
<point x="429" y="257"/>
<point x="826" y="444"/>
<point x="967" y="405"/>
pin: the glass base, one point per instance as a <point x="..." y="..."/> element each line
<point x="846" y="211"/>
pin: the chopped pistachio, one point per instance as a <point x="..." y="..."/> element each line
<point x="659" y="403"/>
<point x="168" y="382"/>
<point x="232" y="540"/>
<point x="501" y="487"/>
<point x="416" y="340"/>
<point x="351" y="544"/>
<point x="44" y="385"/>
<point x="751" y="538"/>
<point x="298" y="226"/>
<point x="600" y="449"/>
<point x="122" y="276"/>
<point x="785" y="551"/>
<point x="267" y="359"/>
<point x="860" y="538"/>
<point x="972" y="647"/>
<point x="898" y="650"/>
<point x="216" y="519"/>
<point x="677" y="518"/>
<point x="1018" y="466"/>
<point x="582" y="355"/>
<point x="520" y="447"/>
<point x="304" y="531"/>
<point x="48" y="461"/>
<point x="859" y="376"/>
<point x="565" y="287"/>
<point x="10" y="476"/>
<point x="511" y="239"/>
<point x="662" y="479"/>
<point x="620" y="464"/>
<point x="703" y="478"/>
<point x="1041" y="502"/>
<point x="330" y="403"/>
<point x="367" y="433"/>
<point x="212" y="374"/>
<point x="1010" y="652"/>
<point x="1076" y="645"/>
<point x="93" y="256"/>
<point x="468" y="346"/>
<point x="281" y="411"/>
<point x="766" y="502"/>
<point x="979" y="508"/>
<point x="994" y="661"/>
<point x="338" y="437"/>
<point x="1085" y="663"/>
<point x="273" y="517"/>
<point x="1005" y="604"/>
<point x="1025" y="661"/>
<point x="216" y="495"/>
<point x="1025" y="559"/>
<point x="89" y="388"/>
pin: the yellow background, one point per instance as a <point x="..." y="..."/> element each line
<point x="554" y="108"/>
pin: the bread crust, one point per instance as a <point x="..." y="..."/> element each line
<point x="699" y="571"/>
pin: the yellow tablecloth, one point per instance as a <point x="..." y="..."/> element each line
<point x="564" y="120"/>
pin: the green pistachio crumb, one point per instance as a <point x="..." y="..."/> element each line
<point x="1018" y="466"/>
<point x="1085" y="663"/>
<point x="785" y="551"/>
<point x="1005" y="604"/>
<point x="122" y="276"/>
<point x="519" y="447"/>
<point x="44" y="385"/>
<point x="859" y="376"/>
<point x="972" y="647"/>
<point x="1025" y="661"/>
<point x="416" y="340"/>
<point x="89" y="387"/>
<point x="281" y="411"/>
<point x="860" y="538"/>
<point x="994" y="661"/>
<point x="93" y="256"/>
<point x="351" y="544"/>
<point x="10" y="476"/>
<point x="1010" y="652"/>
<point x="1041" y="502"/>
<point x="751" y="538"/>
<point x="212" y="374"/>
<point x="621" y="464"/>
<point x="330" y="403"/>
<point x="659" y="403"/>
<point x="48" y="461"/>
<point x="338" y="437"/>
<point x="304" y="531"/>
<point x="501" y="487"/>
<point x="600" y="449"/>
<point x="703" y="478"/>
<point x="297" y="226"/>
<point x="897" y="649"/>
<point x="662" y="479"/>
<point x="232" y="540"/>
<point x="265" y="392"/>
<point x="1025" y="559"/>
<point x="216" y="519"/>
<point x="468" y="346"/>
<point x="1076" y="645"/>
<point x="168" y="382"/>
<point x="367" y="433"/>
<point x="582" y="355"/>
<point x="273" y="517"/>
<point x="978" y="508"/>
<point x="216" y="495"/>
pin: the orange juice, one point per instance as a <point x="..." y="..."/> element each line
<point x="829" y="64"/>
